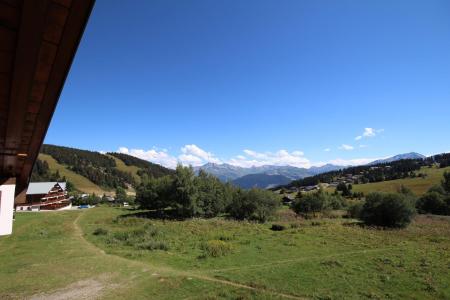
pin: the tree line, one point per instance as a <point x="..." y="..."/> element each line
<point x="186" y="195"/>
<point x="375" y="173"/>
<point x="98" y="168"/>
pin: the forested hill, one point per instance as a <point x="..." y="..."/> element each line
<point x="145" y="167"/>
<point x="375" y="173"/>
<point x="100" y="169"/>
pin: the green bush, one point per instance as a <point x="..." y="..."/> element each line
<point x="255" y="204"/>
<point x="313" y="203"/>
<point x="445" y="183"/>
<point x="387" y="210"/>
<point x="354" y="211"/>
<point x="216" y="248"/>
<point x="433" y="203"/>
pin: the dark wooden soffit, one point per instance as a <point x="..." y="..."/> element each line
<point x="38" y="41"/>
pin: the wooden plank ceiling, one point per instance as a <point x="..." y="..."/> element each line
<point x="38" y="40"/>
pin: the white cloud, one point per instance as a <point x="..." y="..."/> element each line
<point x="190" y="155"/>
<point x="327" y="150"/>
<point x="152" y="155"/>
<point x="194" y="155"/>
<point x="279" y="158"/>
<point x="363" y="146"/>
<point x="369" y="132"/>
<point x="346" y="147"/>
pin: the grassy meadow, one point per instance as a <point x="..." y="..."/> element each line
<point x="117" y="254"/>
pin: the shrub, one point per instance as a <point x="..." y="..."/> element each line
<point x="446" y="182"/>
<point x="216" y="248"/>
<point x="316" y="202"/>
<point x="277" y="227"/>
<point x="309" y="203"/>
<point x="153" y="245"/>
<point x="354" y="211"/>
<point x="387" y="210"/>
<point x="437" y="189"/>
<point x="433" y="203"/>
<point x="255" y="204"/>
<point x="100" y="231"/>
<point x="122" y="236"/>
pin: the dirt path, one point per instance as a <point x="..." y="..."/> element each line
<point x="83" y="289"/>
<point x="170" y="271"/>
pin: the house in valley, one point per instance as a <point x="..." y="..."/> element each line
<point x="45" y="196"/>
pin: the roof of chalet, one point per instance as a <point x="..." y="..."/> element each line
<point x="36" y="188"/>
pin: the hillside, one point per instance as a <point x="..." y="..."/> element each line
<point x="81" y="183"/>
<point x="260" y="181"/>
<point x="93" y="172"/>
<point x="133" y="170"/>
<point x="418" y="185"/>
<point x="140" y="166"/>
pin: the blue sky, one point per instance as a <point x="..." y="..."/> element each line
<point x="255" y="82"/>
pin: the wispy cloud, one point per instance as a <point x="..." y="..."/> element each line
<point x="368" y="132"/>
<point x="327" y="150"/>
<point x="346" y="147"/>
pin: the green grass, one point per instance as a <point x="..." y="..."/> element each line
<point x="418" y="185"/>
<point x="47" y="255"/>
<point x="80" y="182"/>
<point x="113" y="254"/>
<point x="135" y="257"/>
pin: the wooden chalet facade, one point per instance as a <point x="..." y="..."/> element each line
<point x="45" y="196"/>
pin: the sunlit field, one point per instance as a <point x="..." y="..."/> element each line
<point x="117" y="252"/>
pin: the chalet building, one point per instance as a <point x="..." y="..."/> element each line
<point x="46" y="196"/>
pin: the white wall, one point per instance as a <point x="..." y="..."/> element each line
<point x="6" y="208"/>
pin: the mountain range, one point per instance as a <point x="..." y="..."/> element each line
<point x="227" y="172"/>
<point x="269" y="176"/>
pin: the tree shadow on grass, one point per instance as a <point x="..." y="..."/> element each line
<point x="167" y="214"/>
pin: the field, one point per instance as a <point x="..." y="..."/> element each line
<point x="418" y="185"/>
<point x="81" y="183"/>
<point x="115" y="253"/>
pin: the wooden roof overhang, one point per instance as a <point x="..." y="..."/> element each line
<point x="38" y="41"/>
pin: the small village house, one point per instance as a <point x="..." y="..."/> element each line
<point x="45" y="196"/>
